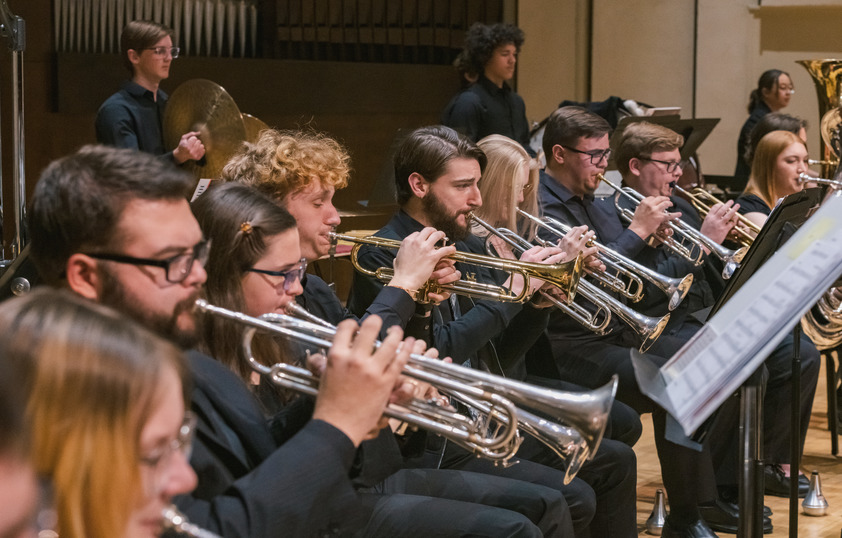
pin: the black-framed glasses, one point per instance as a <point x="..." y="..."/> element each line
<point x="176" y="267"/>
<point x="162" y="51"/>
<point x="290" y="275"/>
<point x="596" y="155"/>
<point x="671" y="165"/>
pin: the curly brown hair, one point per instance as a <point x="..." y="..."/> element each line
<point x="281" y="163"/>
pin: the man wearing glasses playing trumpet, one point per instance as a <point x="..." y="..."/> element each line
<point x="132" y="118"/>
<point x="436" y="177"/>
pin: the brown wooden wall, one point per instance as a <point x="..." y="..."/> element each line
<point x="361" y="104"/>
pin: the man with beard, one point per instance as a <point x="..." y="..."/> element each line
<point x="115" y="226"/>
<point x="436" y="175"/>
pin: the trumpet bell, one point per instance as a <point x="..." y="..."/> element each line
<point x="680" y="291"/>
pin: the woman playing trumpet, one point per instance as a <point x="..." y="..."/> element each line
<point x="106" y="407"/>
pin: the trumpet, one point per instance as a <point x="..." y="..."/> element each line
<point x="176" y="521"/>
<point x="563" y="275"/>
<point x="834" y="184"/>
<point x="674" y="288"/>
<point x="648" y="328"/>
<point x="703" y="201"/>
<point x="692" y="240"/>
<point x="493" y="434"/>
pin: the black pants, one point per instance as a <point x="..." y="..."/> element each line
<point x="687" y="474"/>
<point x="430" y="502"/>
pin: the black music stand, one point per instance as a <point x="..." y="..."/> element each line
<point x="784" y="220"/>
<point x="694" y="131"/>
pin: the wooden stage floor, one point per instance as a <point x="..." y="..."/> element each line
<point x="817" y="456"/>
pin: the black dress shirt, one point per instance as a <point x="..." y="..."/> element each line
<point x="484" y="109"/>
<point x="743" y="168"/>
<point x="133" y="118"/>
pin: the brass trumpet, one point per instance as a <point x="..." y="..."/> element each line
<point x="563" y="275"/>
<point x="687" y="241"/>
<point x="834" y="184"/>
<point x="493" y="434"/>
<point x="648" y="328"/>
<point x="674" y="288"/>
<point x="703" y="201"/>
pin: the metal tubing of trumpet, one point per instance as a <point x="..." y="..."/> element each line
<point x="834" y="184"/>
<point x="303" y="381"/>
<point x="730" y="258"/>
<point x="176" y="521"/>
<point x="703" y="201"/>
<point x="676" y="289"/>
<point x="647" y="327"/>
<point x="586" y="412"/>
<point x="563" y="275"/>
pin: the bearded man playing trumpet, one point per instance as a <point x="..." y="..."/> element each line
<point x="437" y="171"/>
<point x="577" y="149"/>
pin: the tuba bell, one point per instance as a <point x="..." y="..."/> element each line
<point x="826" y="75"/>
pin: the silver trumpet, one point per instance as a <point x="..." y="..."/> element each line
<point x="493" y="434"/>
<point x="648" y="328"/>
<point x="674" y="288"/>
<point x="834" y="184"/>
<point x="686" y="241"/>
<point x="176" y="521"/>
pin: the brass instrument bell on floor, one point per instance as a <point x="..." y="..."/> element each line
<point x="814" y="503"/>
<point x="655" y="523"/>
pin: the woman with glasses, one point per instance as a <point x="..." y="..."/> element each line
<point x="132" y="117"/>
<point x="106" y="408"/>
<point x="773" y="92"/>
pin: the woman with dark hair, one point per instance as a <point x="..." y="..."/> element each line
<point x="773" y="92"/>
<point x="489" y="106"/>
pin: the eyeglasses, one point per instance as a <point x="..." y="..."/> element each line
<point x="596" y="155"/>
<point x="671" y="165"/>
<point x="177" y="267"/>
<point x="162" y="51"/>
<point x="290" y="276"/>
<point x="159" y="462"/>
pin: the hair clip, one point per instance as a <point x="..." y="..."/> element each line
<point x="245" y="228"/>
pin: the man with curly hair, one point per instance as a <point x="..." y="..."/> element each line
<point x="490" y="106"/>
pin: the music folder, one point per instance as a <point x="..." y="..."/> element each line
<point x="772" y="290"/>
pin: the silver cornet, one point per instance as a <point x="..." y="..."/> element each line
<point x="648" y="328"/>
<point x="674" y="288"/>
<point x="686" y="241"/>
<point x="493" y="434"/>
<point x="834" y="184"/>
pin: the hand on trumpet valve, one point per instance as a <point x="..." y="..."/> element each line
<point x="651" y="215"/>
<point x="359" y="379"/>
<point x="419" y="257"/>
<point x="444" y="273"/>
<point x="720" y="221"/>
<point x="575" y="242"/>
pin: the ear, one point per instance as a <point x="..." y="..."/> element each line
<point x="418" y="185"/>
<point x="558" y="154"/>
<point x="634" y="166"/>
<point x="134" y="56"/>
<point x="83" y="277"/>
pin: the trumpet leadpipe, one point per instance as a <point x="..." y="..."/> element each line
<point x="834" y="184"/>
<point x="176" y="521"/>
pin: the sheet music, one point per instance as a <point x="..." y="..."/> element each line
<point x="201" y="187"/>
<point x="721" y="356"/>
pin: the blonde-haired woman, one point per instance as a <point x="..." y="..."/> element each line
<point x="105" y="401"/>
<point x="779" y="159"/>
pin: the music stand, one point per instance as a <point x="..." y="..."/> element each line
<point x="694" y="131"/>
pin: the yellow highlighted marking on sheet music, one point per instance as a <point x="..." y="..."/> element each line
<point x="818" y="231"/>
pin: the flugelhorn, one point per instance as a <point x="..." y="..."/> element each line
<point x="834" y="184"/>
<point x="563" y="275"/>
<point x="176" y="521"/>
<point x="703" y="201"/>
<point x="674" y="288"/>
<point x="686" y="241"/>
<point x="584" y="414"/>
<point x="648" y="328"/>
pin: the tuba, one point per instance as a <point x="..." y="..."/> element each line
<point x="504" y="406"/>
<point x="826" y="74"/>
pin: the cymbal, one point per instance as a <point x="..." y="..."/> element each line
<point x="204" y="106"/>
<point x="253" y="126"/>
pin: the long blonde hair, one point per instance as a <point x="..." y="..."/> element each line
<point x="92" y="379"/>
<point x="498" y="185"/>
<point x="761" y="182"/>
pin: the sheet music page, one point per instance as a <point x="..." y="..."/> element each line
<point x="731" y="345"/>
<point x="201" y="187"/>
